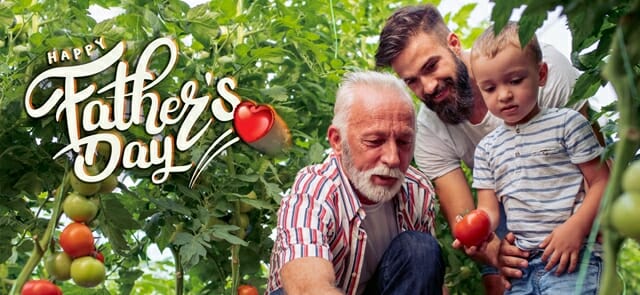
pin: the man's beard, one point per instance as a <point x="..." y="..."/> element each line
<point x="361" y="180"/>
<point x="457" y="107"/>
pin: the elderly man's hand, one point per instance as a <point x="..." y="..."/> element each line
<point x="511" y="259"/>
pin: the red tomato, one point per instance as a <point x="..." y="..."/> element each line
<point x="77" y="240"/>
<point x="473" y="228"/>
<point x="98" y="255"/>
<point x="247" y="290"/>
<point x="40" y="287"/>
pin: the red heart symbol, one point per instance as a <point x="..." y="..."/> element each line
<point x="252" y="122"/>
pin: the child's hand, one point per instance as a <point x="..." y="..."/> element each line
<point x="562" y="247"/>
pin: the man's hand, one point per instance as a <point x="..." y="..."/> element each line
<point x="511" y="259"/>
<point x="486" y="253"/>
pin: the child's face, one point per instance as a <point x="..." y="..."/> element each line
<point x="509" y="83"/>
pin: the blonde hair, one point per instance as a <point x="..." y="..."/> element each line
<point x="489" y="45"/>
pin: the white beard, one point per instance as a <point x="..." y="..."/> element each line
<point x="361" y="180"/>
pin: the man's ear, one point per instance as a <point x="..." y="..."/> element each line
<point x="543" y="73"/>
<point x="454" y="43"/>
<point x="335" y="139"/>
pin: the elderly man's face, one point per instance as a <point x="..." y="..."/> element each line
<point x="378" y="148"/>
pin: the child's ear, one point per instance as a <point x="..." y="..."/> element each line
<point x="543" y="73"/>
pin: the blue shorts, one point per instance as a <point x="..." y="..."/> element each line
<point x="501" y="231"/>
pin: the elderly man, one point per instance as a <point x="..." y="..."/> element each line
<point x="362" y="222"/>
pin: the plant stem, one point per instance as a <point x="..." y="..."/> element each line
<point x="179" y="271"/>
<point x="624" y="55"/>
<point x="41" y="243"/>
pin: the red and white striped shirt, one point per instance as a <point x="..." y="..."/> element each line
<point x="321" y="217"/>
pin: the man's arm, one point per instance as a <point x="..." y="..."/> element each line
<point x="309" y="275"/>
<point x="454" y="195"/>
<point x="456" y="199"/>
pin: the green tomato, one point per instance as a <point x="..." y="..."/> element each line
<point x="87" y="271"/>
<point x="79" y="208"/>
<point x="244" y="207"/>
<point x="631" y="178"/>
<point x="59" y="266"/>
<point x="108" y="184"/>
<point x="624" y="215"/>
<point x="84" y="188"/>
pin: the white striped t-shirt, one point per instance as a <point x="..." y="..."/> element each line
<point x="533" y="170"/>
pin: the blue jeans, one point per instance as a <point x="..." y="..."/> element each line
<point x="501" y="231"/>
<point x="412" y="264"/>
<point x="536" y="280"/>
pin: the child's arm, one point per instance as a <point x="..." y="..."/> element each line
<point x="488" y="202"/>
<point x="562" y="246"/>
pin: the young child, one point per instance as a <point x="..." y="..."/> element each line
<point x="536" y="164"/>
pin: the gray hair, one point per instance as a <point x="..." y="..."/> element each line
<point x="347" y="93"/>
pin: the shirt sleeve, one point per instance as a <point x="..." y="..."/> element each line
<point x="581" y="143"/>
<point x="304" y="219"/>
<point x="482" y="173"/>
<point x="433" y="155"/>
<point x="561" y="79"/>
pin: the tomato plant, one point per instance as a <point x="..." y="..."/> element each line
<point x="40" y="287"/>
<point x="87" y="271"/>
<point x="59" y="266"/>
<point x="247" y="290"/>
<point x="79" y="208"/>
<point x="77" y="240"/>
<point x="473" y="228"/>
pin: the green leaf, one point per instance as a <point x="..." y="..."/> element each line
<point x="277" y="93"/>
<point x="259" y="204"/>
<point x="223" y="231"/>
<point x="171" y="205"/>
<point x="586" y="86"/>
<point x="502" y="12"/>
<point x="463" y="13"/>
<point x="316" y="153"/>
<point x="192" y="248"/>
<point x="116" y="213"/>
<point x="529" y="23"/>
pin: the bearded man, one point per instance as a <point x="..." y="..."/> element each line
<point x="362" y="222"/>
<point x="418" y="46"/>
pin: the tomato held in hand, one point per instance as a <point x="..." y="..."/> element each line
<point x="473" y="228"/>
<point x="247" y="290"/>
<point x="40" y="287"/>
<point x="77" y="240"/>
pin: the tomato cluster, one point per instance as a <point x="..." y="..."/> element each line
<point x="79" y="259"/>
<point x="624" y="210"/>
